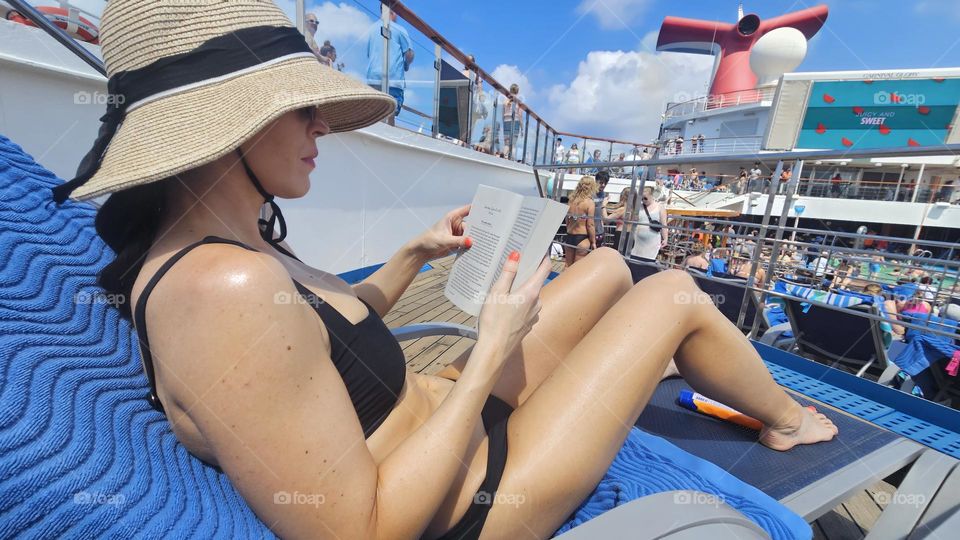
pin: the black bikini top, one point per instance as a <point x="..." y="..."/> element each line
<point x="367" y="356"/>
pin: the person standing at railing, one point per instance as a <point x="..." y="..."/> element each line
<point x="399" y="58"/>
<point x="512" y="116"/>
<point x="679" y="145"/>
<point x="693" y="144"/>
<point x="623" y="210"/>
<point x="594" y="158"/>
<point x="310" y="34"/>
<point x="947" y="191"/>
<point x="600" y="201"/>
<point x="755" y="182"/>
<point x="573" y="157"/>
<point x="559" y="152"/>
<point x="785" y="176"/>
<point x="650" y="233"/>
<point x="701" y="139"/>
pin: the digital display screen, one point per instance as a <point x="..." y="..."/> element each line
<point x="859" y="114"/>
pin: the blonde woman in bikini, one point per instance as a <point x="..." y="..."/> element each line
<point x="581" y="231"/>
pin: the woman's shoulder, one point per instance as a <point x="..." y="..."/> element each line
<point x="214" y="277"/>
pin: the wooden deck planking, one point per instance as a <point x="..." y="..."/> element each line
<point x="424" y="302"/>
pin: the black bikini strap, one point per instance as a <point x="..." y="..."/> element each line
<point x="140" y="312"/>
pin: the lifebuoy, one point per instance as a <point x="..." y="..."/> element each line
<point x="78" y="28"/>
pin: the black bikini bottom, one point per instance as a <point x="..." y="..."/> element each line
<point x="494" y="415"/>
<point x="575" y="239"/>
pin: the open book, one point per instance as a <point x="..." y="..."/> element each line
<point x="501" y="221"/>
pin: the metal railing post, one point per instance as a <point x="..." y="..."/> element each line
<point x="536" y="143"/>
<point x="916" y="187"/>
<point x="791" y="187"/>
<point x="437" y="51"/>
<point x="761" y="236"/>
<point x="526" y="133"/>
<point x="385" y="32"/>
<point x="627" y="218"/>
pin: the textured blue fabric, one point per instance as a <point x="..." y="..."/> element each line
<point x="648" y="464"/>
<point x="924" y="349"/>
<point x="82" y="454"/>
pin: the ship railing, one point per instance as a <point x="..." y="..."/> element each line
<point x="883" y="260"/>
<point x="719" y="101"/>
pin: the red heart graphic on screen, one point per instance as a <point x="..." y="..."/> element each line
<point x="894" y="98"/>
<point x="858" y="110"/>
<point x="821" y="129"/>
<point x="846" y="141"/>
<point x="884" y="130"/>
<point x="923" y="109"/>
<point x="911" y="142"/>
<point x="938" y="79"/>
<point x="867" y="81"/>
<point x="828" y="98"/>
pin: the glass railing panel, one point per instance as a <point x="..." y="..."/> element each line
<point x="346" y="37"/>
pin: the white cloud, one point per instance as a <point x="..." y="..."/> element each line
<point x="938" y="8"/>
<point x="613" y="14"/>
<point x="622" y="94"/>
<point x="507" y="74"/>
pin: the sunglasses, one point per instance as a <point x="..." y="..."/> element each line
<point x="310" y="21"/>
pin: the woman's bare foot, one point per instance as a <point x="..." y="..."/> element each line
<point x="803" y="427"/>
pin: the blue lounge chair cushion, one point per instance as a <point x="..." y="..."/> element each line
<point x="84" y="455"/>
<point x="924" y="349"/>
<point x="648" y="464"/>
<point x="824" y="297"/>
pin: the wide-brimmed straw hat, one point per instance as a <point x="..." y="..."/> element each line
<point x="190" y="81"/>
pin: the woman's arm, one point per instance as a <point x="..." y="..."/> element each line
<point x="384" y="287"/>
<point x="253" y="375"/>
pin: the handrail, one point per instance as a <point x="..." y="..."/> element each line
<point x="803" y="155"/>
<point x="604" y="139"/>
<point x="28" y="11"/>
<point x="423" y="27"/>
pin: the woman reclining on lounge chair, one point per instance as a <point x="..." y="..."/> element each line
<point x="221" y="113"/>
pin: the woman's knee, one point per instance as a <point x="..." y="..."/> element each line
<point x="612" y="268"/>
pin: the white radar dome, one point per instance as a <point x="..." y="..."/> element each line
<point x="777" y="52"/>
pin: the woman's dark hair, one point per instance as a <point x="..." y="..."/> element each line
<point x="128" y="222"/>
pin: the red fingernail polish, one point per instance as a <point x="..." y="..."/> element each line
<point x="467" y="242"/>
<point x="514" y="256"/>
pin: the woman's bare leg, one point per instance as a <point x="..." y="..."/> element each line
<point x="562" y="439"/>
<point x="572" y="303"/>
<point x="569" y="256"/>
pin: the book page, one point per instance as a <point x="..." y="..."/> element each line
<point x="533" y="232"/>
<point x="489" y="223"/>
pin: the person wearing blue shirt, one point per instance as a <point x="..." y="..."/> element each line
<point x="400" y="56"/>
